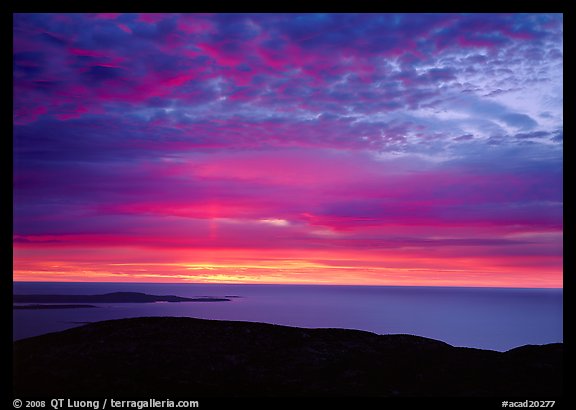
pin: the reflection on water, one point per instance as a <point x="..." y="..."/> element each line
<point x="497" y="319"/>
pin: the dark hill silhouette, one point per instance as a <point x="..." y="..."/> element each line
<point x="197" y="358"/>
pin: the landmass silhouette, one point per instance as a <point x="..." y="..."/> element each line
<point x="114" y="297"/>
<point x="200" y="358"/>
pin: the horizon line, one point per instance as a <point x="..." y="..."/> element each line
<point x="288" y="284"/>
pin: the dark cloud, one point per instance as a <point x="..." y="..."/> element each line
<point x="101" y="73"/>
<point x="530" y="135"/>
<point x="558" y="136"/>
<point x="466" y="137"/>
<point x="521" y="121"/>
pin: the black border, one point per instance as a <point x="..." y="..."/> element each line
<point x="59" y="6"/>
<point x="361" y="6"/>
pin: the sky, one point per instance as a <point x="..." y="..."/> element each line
<point x="359" y="149"/>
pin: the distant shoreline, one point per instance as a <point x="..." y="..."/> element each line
<point x="115" y="297"/>
<point x="55" y="306"/>
<point x="375" y="309"/>
<point x="252" y="284"/>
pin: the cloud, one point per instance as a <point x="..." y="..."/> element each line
<point x="295" y="133"/>
<point x="520" y="121"/>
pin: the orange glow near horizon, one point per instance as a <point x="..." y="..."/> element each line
<point x="275" y="267"/>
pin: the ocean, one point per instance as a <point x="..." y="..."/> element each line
<point x="486" y="318"/>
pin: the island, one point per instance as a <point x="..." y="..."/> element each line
<point x="189" y="357"/>
<point x="51" y="306"/>
<point x="114" y="297"/>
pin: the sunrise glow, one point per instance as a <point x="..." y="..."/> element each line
<point x="361" y="149"/>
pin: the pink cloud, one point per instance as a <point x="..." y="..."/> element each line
<point x="151" y="18"/>
<point x="125" y="28"/>
<point x="107" y="16"/>
<point x="221" y="56"/>
<point x="195" y="24"/>
<point x="86" y="53"/>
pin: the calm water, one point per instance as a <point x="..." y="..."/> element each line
<point x="487" y="318"/>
